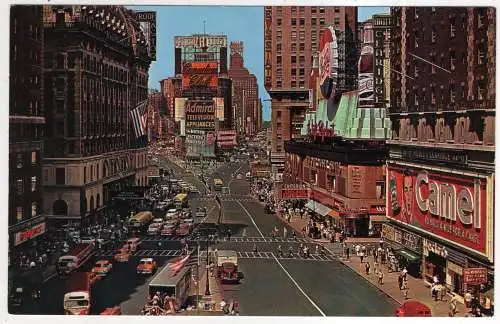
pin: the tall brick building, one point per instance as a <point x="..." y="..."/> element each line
<point x="441" y="166"/>
<point x="26" y="126"/>
<point x="291" y="40"/>
<point x="95" y="71"/>
<point x="245" y="93"/>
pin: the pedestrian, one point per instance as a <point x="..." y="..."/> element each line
<point x="380" y="277"/>
<point x="400" y="282"/>
<point x="453" y="308"/>
<point x="361" y="256"/>
<point x="468" y="300"/>
<point x="367" y="268"/>
<point x="347" y="253"/>
<point x="404" y="273"/>
<point x="284" y="232"/>
<point x="405" y="290"/>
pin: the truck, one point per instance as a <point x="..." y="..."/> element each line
<point x="78" y="292"/>
<point x="227" y="266"/>
<point x="176" y="285"/>
<point x="75" y="258"/>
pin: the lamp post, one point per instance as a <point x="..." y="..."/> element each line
<point x="207" y="286"/>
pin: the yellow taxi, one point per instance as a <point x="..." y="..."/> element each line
<point x="102" y="267"/>
<point x="122" y="255"/>
<point x="146" y="266"/>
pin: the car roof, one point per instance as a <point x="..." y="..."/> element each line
<point x="146" y="259"/>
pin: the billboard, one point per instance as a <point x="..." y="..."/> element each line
<point x="200" y="41"/>
<point x="200" y="114"/>
<point x="226" y="138"/>
<point x="365" y="77"/>
<point x="199" y="74"/>
<point x="29" y="233"/>
<point x="180" y="109"/>
<point x="446" y="206"/>
<point x="200" y="143"/>
<point x="147" y="24"/>
<point x="219" y="108"/>
<point x="268" y="46"/>
<point x="328" y="62"/>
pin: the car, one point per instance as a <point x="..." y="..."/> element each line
<point x="184" y="229"/>
<point x="189" y="221"/>
<point x="146" y="266"/>
<point x="122" y="255"/>
<point x="102" y="267"/>
<point x="158" y="221"/>
<point x="413" y="308"/>
<point x="168" y="230"/>
<point x="87" y="239"/>
<point x="171" y="213"/>
<point x="154" y="229"/>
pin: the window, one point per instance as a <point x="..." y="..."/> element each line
<point x="19" y="213"/>
<point x="294" y="47"/>
<point x="60" y="176"/>
<point x="33" y="184"/>
<point x="294" y="22"/>
<point x="337" y="10"/>
<point x="416" y="100"/>
<point x="59" y="106"/>
<point x="20" y="186"/>
<point x="322" y="21"/>
<point x="452" y="93"/>
<point x="314" y="36"/>
<point x="279" y="84"/>
<point x="301" y="71"/>
<point x="433" y="96"/>
<point x="294" y="71"/>
<point x="278" y="114"/>
<point x="294" y="84"/>
<point x="416" y="13"/>
<point x="417" y="69"/>
<point x="313" y="21"/>
<point x="481" y="55"/>
<point x="278" y="21"/>
<point x="433" y="36"/>
<point x="278" y="35"/>
<point x="380" y="189"/>
<point x="336" y="21"/>
<point x="417" y="40"/>
<point x="321" y="10"/>
<point x="278" y="47"/>
<point x="294" y="59"/>
<point x="33" y="209"/>
<point x="278" y="125"/>
<point x="302" y="21"/>
<point x="302" y="59"/>
<point x="453" y="60"/>
<point x="302" y="35"/>
<point x="294" y="36"/>
<point x="314" y="48"/>
<point x="453" y="28"/>
<point x="314" y="10"/>
<point x="45" y="175"/>
<point x="278" y="59"/>
<point x="302" y="84"/>
<point x="84" y="174"/>
<point x="481" y="90"/>
<point x="294" y="10"/>
<point x="33" y="157"/>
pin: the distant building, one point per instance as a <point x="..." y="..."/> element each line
<point x="291" y="40"/>
<point x="245" y="93"/>
<point x="26" y="127"/>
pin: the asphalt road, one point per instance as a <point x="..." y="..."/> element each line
<point x="272" y="286"/>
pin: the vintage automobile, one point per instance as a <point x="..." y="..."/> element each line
<point x="413" y="308"/>
<point x="146" y="266"/>
<point x="184" y="229"/>
<point x="122" y="255"/>
<point x="112" y="311"/>
<point x="168" y="230"/>
<point x="102" y="267"/>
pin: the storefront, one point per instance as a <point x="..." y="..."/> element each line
<point x="453" y="213"/>
<point x="377" y="219"/>
<point x="407" y="247"/>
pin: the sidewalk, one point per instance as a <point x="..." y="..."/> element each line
<point x="208" y="305"/>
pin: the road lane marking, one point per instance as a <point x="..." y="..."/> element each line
<point x="208" y="213"/>
<point x="298" y="287"/>
<point x="251" y="218"/>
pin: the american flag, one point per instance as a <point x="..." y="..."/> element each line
<point x="139" y="118"/>
<point x="178" y="265"/>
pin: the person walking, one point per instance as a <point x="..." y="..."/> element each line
<point x="367" y="268"/>
<point x="361" y="256"/>
<point x="380" y="277"/>
<point x="405" y="290"/>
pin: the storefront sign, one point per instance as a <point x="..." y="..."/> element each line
<point x="435" y="156"/>
<point x="293" y="192"/>
<point x="199" y="74"/>
<point x="388" y="232"/>
<point x="443" y="205"/>
<point x="430" y="246"/>
<point x="28" y="234"/>
<point x="475" y="276"/>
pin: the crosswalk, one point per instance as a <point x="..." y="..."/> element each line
<point x="225" y="198"/>
<point x="234" y="239"/>
<point x="241" y="255"/>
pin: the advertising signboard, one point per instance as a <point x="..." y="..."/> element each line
<point x="328" y="62"/>
<point x="199" y="74"/>
<point x="475" y="276"/>
<point x="200" y="143"/>
<point x="365" y="77"/>
<point x="200" y="114"/>
<point x="444" y="206"/>
<point x="219" y="108"/>
<point x="201" y="41"/>
<point x="268" y="46"/>
<point x="180" y="109"/>
<point x="147" y="23"/>
<point x="29" y="233"/>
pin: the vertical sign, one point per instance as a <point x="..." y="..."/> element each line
<point x="147" y="23"/>
<point x="180" y="112"/>
<point x="268" y="47"/>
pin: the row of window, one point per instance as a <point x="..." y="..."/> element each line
<point x="302" y="9"/>
<point x="20" y="185"/>
<point x="20" y="212"/>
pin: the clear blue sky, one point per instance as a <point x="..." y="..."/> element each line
<point x="238" y="23"/>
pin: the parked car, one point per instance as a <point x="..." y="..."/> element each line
<point x="102" y="267"/>
<point x="413" y="308"/>
<point x="146" y="266"/>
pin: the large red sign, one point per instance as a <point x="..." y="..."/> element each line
<point x="475" y="276"/>
<point x="444" y="205"/>
<point x="199" y="74"/>
<point x="28" y="234"/>
<point x="294" y="193"/>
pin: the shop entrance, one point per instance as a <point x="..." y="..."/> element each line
<point x="457" y="281"/>
<point x="435" y="265"/>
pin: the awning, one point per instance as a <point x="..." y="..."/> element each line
<point x="377" y="210"/>
<point x="408" y="255"/>
<point x="318" y="208"/>
<point x="335" y="214"/>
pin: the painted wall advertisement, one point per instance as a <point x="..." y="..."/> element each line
<point x="199" y="74"/>
<point x="443" y="205"/>
<point x="365" y="77"/>
<point x="226" y="138"/>
<point x="180" y="109"/>
<point x="200" y="114"/>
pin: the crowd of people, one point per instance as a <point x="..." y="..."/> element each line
<point x="159" y="304"/>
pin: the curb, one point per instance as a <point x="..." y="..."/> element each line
<point x="367" y="280"/>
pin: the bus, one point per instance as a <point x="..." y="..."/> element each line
<point x="218" y="183"/>
<point x="176" y="285"/>
<point x="181" y="201"/>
